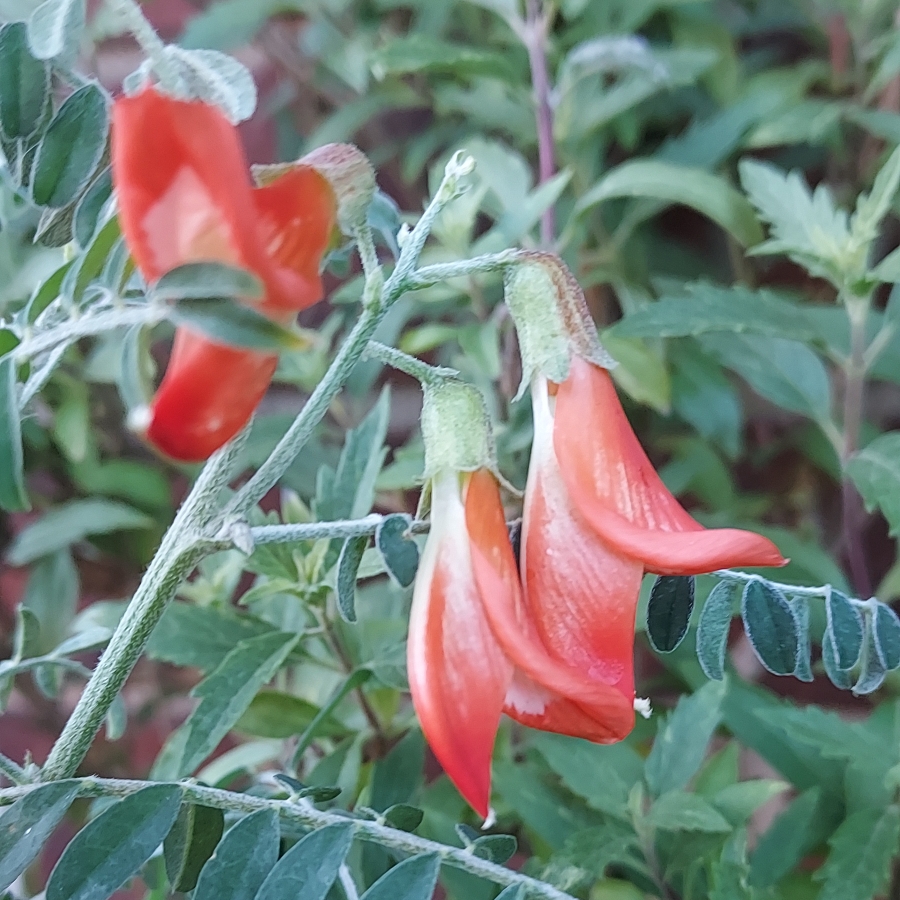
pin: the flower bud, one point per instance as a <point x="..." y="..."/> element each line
<point x="551" y="316"/>
<point x="345" y="168"/>
<point x="456" y="429"/>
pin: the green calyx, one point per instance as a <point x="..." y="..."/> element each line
<point x="456" y="429"/>
<point x="552" y="318"/>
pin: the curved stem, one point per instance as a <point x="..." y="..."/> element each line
<point x="149" y="41"/>
<point x="179" y="551"/>
<point x="307" y="816"/>
<point x="403" y="362"/>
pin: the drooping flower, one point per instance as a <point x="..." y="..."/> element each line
<point x="597" y="515"/>
<point x="185" y="195"/>
<point x="473" y="648"/>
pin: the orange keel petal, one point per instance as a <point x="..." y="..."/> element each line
<point x="545" y="693"/>
<point x="458" y="675"/>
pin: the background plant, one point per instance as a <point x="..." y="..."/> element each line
<point x="721" y="179"/>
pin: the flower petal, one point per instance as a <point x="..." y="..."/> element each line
<point x="458" y="675"/>
<point x="618" y="492"/>
<point x="296" y="215"/>
<point x="183" y="186"/>
<point x="207" y="395"/>
<point x="545" y="692"/>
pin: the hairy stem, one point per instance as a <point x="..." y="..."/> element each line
<point x="180" y="550"/>
<point x="535" y="34"/>
<point x="307" y="816"/>
<point x="149" y="41"/>
<point x="403" y="362"/>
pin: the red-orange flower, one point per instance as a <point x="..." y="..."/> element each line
<point x="597" y="516"/>
<point x="473" y="650"/>
<point x="185" y="195"/>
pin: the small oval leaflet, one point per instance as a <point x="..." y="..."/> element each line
<point x="310" y="867"/>
<point x="190" y="843"/>
<point x="839" y="677"/>
<point x="28" y="823"/>
<point x="245" y="856"/>
<point x="347" y="567"/>
<point x="398" y="550"/>
<point x="872" y="670"/>
<point x="845" y="626"/>
<point x="412" y="879"/>
<point x="770" y="626"/>
<point x="887" y="636"/>
<point x="496" y="848"/>
<point x="111" y="848"/>
<point x="669" y="611"/>
<point x="71" y="147"/>
<point x="24" y="84"/>
<point x="403" y="816"/>
<point x="800" y="609"/>
<point x="713" y="628"/>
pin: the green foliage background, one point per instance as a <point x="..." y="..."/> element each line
<point x="726" y="192"/>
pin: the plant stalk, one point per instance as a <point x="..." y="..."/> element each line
<point x="305" y="815"/>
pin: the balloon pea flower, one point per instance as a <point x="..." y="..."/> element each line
<point x="185" y="194"/>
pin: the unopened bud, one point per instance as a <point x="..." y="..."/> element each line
<point x="552" y="318"/>
<point x="456" y="429"/>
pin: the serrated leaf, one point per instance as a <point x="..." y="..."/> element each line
<point x="681" y="741"/>
<point x="112" y="847"/>
<point x="871" y="208"/>
<point x="24" y="84"/>
<point x="737" y="802"/>
<point x="227" y="321"/>
<point x="224" y="696"/>
<point x="310" y="867"/>
<point x="347" y="569"/>
<point x="700" y="308"/>
<point x="681" y="811"/>
<point x="876" y="473"/>
<point x="770" y="626"/>
<point x="784" y="371"/>
<point x="190" y="843"/>
<point x="403" y="817"/>
<point x="412" y="879"/>
<point x="71" y="147"/>
<point x="669" y="611"/>
<point x="398" y="550"/>
<point x="55" y="28"/>
<point x="806" y="225"/>
<point x="28" y="823"/>
<point x="243" y="859"/>
<point x="887" y="636"/>
<point x="13" y="496"/>
<point x="844" y="628"/>
<point x="793" y="834"/>
<point x="859" y="864"/>
<point x="713" y="628"/>
<point x="696" y="188"/>
<point x="199" y="280"/>
<point x="71" y="522"/>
